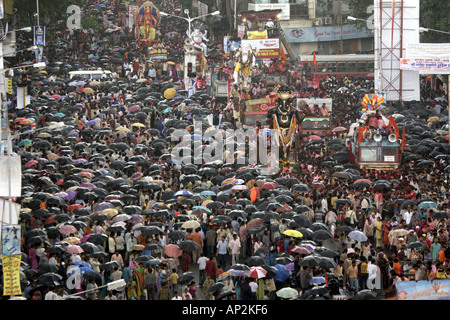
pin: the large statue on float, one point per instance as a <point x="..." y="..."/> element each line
<point x="148" y="20"/>
<point x="195" y="44"/>
<point x="245" y="66"/>
<point x="198" y="36"/>
<point x="285" y="119"/>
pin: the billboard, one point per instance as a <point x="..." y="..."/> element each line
<point x="427" y="58"/>
<point x="319" y="101"/>
<point x="326" y="33"/>
<point x="438" y="289"/>
<point x="265" y="48"/>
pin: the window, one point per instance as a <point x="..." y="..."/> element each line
<point x="322" y="67"/>
<point x="342" y="66"/>
<point x="368" y="154"/>
<point x="371" y="66"/>
<point x="389" y="154"/>
<point x="331" y="66"/>
<point x="352" y="67"/>
<point x="362" y="66"/>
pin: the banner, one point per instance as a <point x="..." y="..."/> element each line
<point x="257" y="34"/>
<point x="426" y="66"/>
<point x="11" y="176"/>
<point x="157" y="54"/>
<point x="264" y="48"/>
<point x="427" y="58"/>
<point x="11" y="235"/>
<point x="285" y="8"/>
<point x="329" y="33"/>
<point x="39" y="36"/>
<point x="11" y="275"/>
<point x="438" y="289"/>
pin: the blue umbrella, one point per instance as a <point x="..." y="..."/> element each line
<point x="428" y="204"/>
<point x="183" y="193"/>
<point x="282" y="273"/>
<point x="317" y="280"/>
<point x="207" y="193"/>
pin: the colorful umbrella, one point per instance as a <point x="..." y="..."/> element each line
<point x="293" y="233"/>
<point x="256" y="272"/>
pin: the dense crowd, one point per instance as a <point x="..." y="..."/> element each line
<point x="102" y="200"/>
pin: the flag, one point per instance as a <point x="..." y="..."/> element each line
<point x="403" y="144"/>
<point x="391" y="125"/>
<point x="314" y="60"/>
<point x="361" y="134"/>
<point x="283" y="55"/>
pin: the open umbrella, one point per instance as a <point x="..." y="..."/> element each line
<point x="357" y="235"/>
<point x="287" y="293"/>
<point x="256" y="272"/>
<point x="172" y="250"/>
<point x="186" y="277"/>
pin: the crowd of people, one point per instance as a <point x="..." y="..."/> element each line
<point x="102" y="201"/>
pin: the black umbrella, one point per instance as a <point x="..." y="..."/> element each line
<point x="321" y="235"/>
<point x="46" y="267"/>
<point x="188" y="245"/>
<point x="92" y="275"/>
<point x="176" y="235"/>
<point x="186" y="277"/>
<point x="225" y="294"/>
<point x="216" y="287"/>
<point x="255" y="261"/>
<point x="49" y="278"/>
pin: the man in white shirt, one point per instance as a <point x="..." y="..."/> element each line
<point x="201" y="268"/>
<point x="407" y="215"/>
<point x="222" y="251"/>
<point x="50" y="295"/>
<point x="373" y="272"/>
<point x="254" y="287"/>
<point x="235" y="249"/>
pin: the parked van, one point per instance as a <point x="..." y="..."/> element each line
<point x="99" y="74"/>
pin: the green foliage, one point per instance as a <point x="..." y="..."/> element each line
<point x="434" y="15"/>
<point x="53" y="10"/>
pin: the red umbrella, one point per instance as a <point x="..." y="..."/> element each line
<point x="67" y="229"/>
<point x="172" y="250"/>
<point x="254" y="222"/>
<point x="135" y="108"/>
<point x="50" y="219"/>
<point x="314" y="137"/>
<point x="301" y="250"/>
<point x="365" y="180"/>
<point x="256" y="272"/>
<point x="30" y="163"/>
<point x="74" y="207"/>
<point x="269" y="185"/>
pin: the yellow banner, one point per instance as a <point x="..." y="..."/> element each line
<point x="257" y="34"/>
<point x="11" y="275"/>
<point x="9" y="88"/>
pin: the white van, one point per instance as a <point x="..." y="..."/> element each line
<point x="99" y="74"/>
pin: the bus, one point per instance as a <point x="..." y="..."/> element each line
<point x="337" y="65"/>
<point x="316" y="126"/>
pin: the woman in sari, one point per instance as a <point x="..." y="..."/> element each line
<point x="386" y="229"/>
